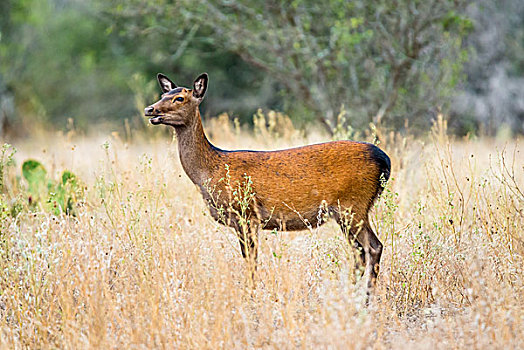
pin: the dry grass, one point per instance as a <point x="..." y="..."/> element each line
<point x="142" y="265"/>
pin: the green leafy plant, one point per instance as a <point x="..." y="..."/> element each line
<point x="55" y="196"/>
<point x="37" y="182"/>
<point x="66" y="193"/>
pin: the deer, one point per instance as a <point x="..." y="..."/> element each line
<point x="291" y="189"/>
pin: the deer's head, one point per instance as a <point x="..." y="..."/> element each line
<point x="177" y="105"/>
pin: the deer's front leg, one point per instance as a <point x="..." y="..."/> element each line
<point x="248" y="240"/>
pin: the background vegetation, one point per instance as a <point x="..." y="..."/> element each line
<point x="139" y="263"/>
<point x="396" y="63"/>
<point x="105" y="243"/>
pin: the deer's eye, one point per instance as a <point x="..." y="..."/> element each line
<point x="179" y="99"/>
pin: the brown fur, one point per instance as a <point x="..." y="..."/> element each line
<point x="293" y="188"/>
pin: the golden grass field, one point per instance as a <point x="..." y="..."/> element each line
<point x="142" y="264"/>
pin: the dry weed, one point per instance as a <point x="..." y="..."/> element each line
<point x="142" y="264"/>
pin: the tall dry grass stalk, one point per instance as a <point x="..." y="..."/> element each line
<point x="142" y="264"/>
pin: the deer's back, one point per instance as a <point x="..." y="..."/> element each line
<point x="296" y="181"/>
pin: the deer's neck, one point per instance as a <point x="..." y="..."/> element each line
<point x="197" y="155"/>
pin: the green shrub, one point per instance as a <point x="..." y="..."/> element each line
<point x="54" y="196"/>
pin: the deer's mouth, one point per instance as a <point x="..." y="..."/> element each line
<point x="157" y="119"/>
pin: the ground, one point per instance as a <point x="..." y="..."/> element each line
<point x="141" y="264"/>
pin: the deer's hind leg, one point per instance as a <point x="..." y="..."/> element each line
<point x="372" y="251"/>
<point x="351" y="234"/>
<point x="367" y="245"/>
<point x="248" y="239"/>
<point x="248" y="243"/>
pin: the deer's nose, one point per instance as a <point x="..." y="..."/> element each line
<point x="149" y="110"/>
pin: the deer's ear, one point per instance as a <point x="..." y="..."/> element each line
<point x="200" y="85"/>
<point x="165" y="84"/>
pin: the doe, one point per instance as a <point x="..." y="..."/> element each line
<point x="292" y="189"/>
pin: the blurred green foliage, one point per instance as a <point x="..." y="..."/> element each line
<point x="94" y="61"/>
<point x="66" y="59"/>
<point x="384" y="60"/>
<point x="61" y="63"/>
